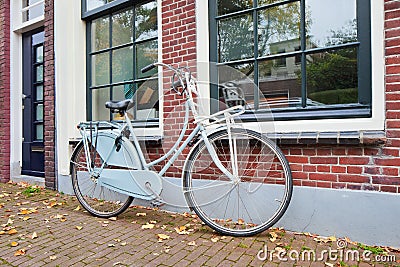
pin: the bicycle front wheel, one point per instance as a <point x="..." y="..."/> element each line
<point x="96" y="199"/>
<point x="256" y="195"/>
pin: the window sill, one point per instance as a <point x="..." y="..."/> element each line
<point x="367" y="138"/>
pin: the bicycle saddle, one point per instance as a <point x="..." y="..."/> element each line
<point x="122" y="105"/>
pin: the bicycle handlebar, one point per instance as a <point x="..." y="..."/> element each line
<point x="148" y="68"/>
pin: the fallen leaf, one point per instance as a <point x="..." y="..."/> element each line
<point x="20" y="252"/>
<point x="141" y="214"/>
<point x="329" y="264"/>
<point x="273" y="236"/>
<point x="181" y="230"/>
<point x="12" y="232"/>
<point x="153" y="222"/>
<point x="79" y="227"/>
<point x="162" y="237"/>
<point x="26" y="218"/>
<point x="112" y="218"/>
<point x="123" y="244"/>
<point x="77" y="208"/>
<point x="214" y="239"/>
<point x="53" y="257"/>
<point x="111" y="245"/>
<point x="148" y="226"/>
<point x="34" y="235"/>
<point x="14" y="244"/>
<point x="2" y="232"/>
<point x="240" y="222"/>
<point x="192" y="243"/>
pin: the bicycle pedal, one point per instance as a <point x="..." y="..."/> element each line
<point x="157" y="203"/>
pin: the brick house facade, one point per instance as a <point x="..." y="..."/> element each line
<point x="362" y="161"/>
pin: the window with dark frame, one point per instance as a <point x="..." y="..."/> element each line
<point x="315" y="53"/>
<point x="122" y="38"/>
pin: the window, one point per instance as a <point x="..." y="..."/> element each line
<point x="120" y="44"/>
<point x="32" y="9"/>
<point x="308" y="58"/>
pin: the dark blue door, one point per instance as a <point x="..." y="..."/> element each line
<point x="32" y="99"/>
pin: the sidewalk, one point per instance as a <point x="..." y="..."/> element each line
<point x="43" y="228"/>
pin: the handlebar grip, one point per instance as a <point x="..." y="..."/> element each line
<point x="147" y="68"/>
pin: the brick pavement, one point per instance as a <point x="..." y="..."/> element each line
<point x="48" y="229"/>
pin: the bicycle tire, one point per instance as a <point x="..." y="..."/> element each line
<point x="97" y="200"/>
<point x="250" y="205"/>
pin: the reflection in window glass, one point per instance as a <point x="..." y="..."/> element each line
<point x="32" y="9"/>
<point x="39" y="93"/>
<point x="146" y="21"/>
<point x="101" y="69"/>
<point x="146" y="99"/>
<point x="100" y="34"/>
<point x="229" y="6"/>
<point x="99" y="98"/>
<point x="331" y="22"/>
<point x="39" y="54"/>
<point x="39" y="73"/>
<point x="122" y="27"/>
<point x="332" y="77"/>
<point x="146" y="53"/>
<point x="39" y="112"/>
<point x="122" y="64"/>
<point x="235" y="38"/>
<point x="280" y="84"/>
<point x="39" y="132"/>
<point x="279" y="29"/>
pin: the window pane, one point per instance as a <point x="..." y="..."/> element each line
<point x="268" y="2"/>
<point x="122" y="64"/>
<point x="39" y="73"/>
<point x="330" y="22"/>
<point x="147" y="105"/>
<point x="235" y="38"/>
<point x="280" y="84"/>
<point x="39" y="54"/>
<point x="332" y="77"/>
<point x="146" y="53"/>
<point x="99" y="98"/>
<point x="39" y="112"/>
<point x="279" y="29"/>
<point x="122" y="27"/>
<point x="92" y="4"/>
<point x="229" y="6"/>
<point x="39" y="131"/>
<point x="146" y="21"/>
<point x="100" y="69"/>
<point x="236" y="85"/>
<point x="122" y="92"/>
<point x="100" y="34"/>
<point x="39" y="93"/>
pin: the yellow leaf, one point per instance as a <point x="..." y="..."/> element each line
<point x="79" y="227"/>
<point x="273" y="236"/>
<point x="141" y="214"/>
<point x="26" y="218"/>
<point x="20" y="252"/>
<point x="12" y="232"/>
<point x="214" y="239"/>
<point x="192" y="243"/>
<point x="53" y="257"/>
<point x="14" y="244"/>
<point x="112" y="218"/>
<point x="63" y="219"/>
<point x="123" y="244"/>
<point x="10" y="221"/>
<point x="2" y="232"/>
<point x="111" y="245"/>
<point x="162" y="236"/>
<point x="34" y="235"/>
<point x="240" y="222"/>
<point x="148" y="226"/>
<point x="77" y="208"/>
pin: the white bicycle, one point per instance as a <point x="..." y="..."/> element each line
<point x="236" y="180"/>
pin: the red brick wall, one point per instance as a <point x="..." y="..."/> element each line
<point x="5" y="90"/>
<point x="363" y="167"/>
<point x="49" y="96"/>
<point x="178" y="47"/>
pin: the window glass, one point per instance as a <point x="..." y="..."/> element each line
<point x="331" y="22"/>
<point x="39" y="131"/>
<point x="122" y="27"/>
<point x="146" y="21"/>
<point x="121" y="43"/>
<point x="39" y="73"/>
<point x="100" y="33"/>
<point x="39" y="54"/>
<point x="306" y="55"/>
<point x="235" y="38"/>
<point x="32" y="9"/>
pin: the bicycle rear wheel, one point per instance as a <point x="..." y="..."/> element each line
<point x="97" y="200"/>
<point x="255" y="200"/>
